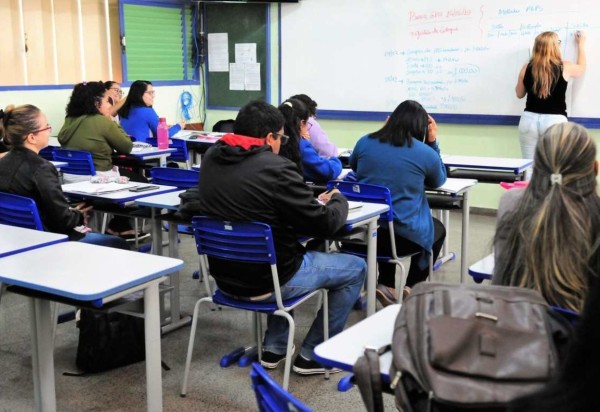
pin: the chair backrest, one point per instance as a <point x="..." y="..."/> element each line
<point x="181" y="155"/>
<point x="248" y="242"/>
<point x="79" y="162"/>
<point x="224" y="126"/>
<point x="47" y="152"/>
<point x="572" y="317"/>
<point x="171" y="176"/>
<point x="19" y="211"/>
<point x="270" y="396"/>
<point x="363" y="192"/>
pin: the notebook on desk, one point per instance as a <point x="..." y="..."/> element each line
<point x="352" y="205"/>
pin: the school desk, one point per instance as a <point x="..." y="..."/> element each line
<point x="343" y="350"/>
<point x="15" y="239"/>
<point x="89" y="275"/>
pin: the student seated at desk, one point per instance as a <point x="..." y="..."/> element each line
<point x="548" y="234"/>
<point x="317" y="136"/>
<point x="23" y="172"/>
<point x="244" y="179"/>
<point x="115" y="98"/>
<point x="315" y="168"/>
<point x="404" y="156"/>
<point x="88" y="126"/>
<point x="137" y="116"/>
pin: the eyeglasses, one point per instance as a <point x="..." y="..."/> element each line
<point x="284" y="138"/>
<point x="308" y="125"/>
<point x="42" y="130"/>
<point x="151" y="93"/>
<point x="559" y="41"/>
<point x="119" y="91"/>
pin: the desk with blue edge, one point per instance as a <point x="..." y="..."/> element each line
<point x="93" y="275"/>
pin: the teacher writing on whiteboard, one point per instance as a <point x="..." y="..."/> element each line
<point x="544" y="80"/>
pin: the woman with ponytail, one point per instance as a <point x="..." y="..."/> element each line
<point x="548" y="233"/>
<point x="315" y="168"/>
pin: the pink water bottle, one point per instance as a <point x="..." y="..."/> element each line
<point x="162" y="132"/>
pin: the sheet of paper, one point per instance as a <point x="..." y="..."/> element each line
<point x="252" y="76"/>
<point x="236" y="76"/>
<point x="218" y="52"/>
<point x="245" y="52"/>
<point x="96" y="188"/>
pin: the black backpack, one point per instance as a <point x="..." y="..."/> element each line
<point x="473" y="347"/>
<point x="109" y="340"/>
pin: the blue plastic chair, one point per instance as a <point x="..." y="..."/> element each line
<point x="19" y="211"/>
<point x="47" y="152"/>
<point x="181" y="155"/>
<point x="171" y="176"/>
<point x="79" y="162"/>
<point x="363" y="192"/>
<point x="251" y="243"/>
<point x="270" y="396"/>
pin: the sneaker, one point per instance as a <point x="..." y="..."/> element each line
<point x="270" y="360"/>
<point x="385" y="295"/>
<point x="304" y="366"/>
<point x="129" y="236"/>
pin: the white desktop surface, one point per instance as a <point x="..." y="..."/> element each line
<point x="82" y="271"/>
<point x="144" y="152"/>
<point x="17" y="239"/>
<point x="198" y="136"/>
<point x="58" y="165"/>
<point x="494" y="163"/>
<point x="168" y="200"/>
<point x="80" y="190"/>
<point x="367" y="211"/>
<point x="483" y="267"/>
<point x="343" y="350"/>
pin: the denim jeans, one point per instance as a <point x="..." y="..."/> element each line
<point x="531" y="128"/>
<point x="343" y="275"/>
<point x="105" y="240"/>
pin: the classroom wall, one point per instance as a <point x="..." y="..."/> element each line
<point x="500" y="141"/>
<point x="474" y="140"/>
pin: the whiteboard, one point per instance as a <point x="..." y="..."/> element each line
<point x="460" y="58"/>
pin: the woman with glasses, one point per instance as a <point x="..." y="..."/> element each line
<point x="138" y="118"/>
<point x="315" y="168"/>
<point x="404" y="156"/>
<point x="23" y="172"/>
<point x="544" y="81"/>
<point x="115" y="97"/>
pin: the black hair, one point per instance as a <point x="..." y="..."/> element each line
<point x="135" y="97"/>
<point x="293" y="111"/>
<point x="310" y="103"/>
<point x="258" y="119"/>
<point x="108" y="84"/>
<point x="409" y="120"/>
<point x="85" y="99"/>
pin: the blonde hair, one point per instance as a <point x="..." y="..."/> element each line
<point x="18" y="122"/>
<point x="545" y="63"/>
<point x="553" y="235"/>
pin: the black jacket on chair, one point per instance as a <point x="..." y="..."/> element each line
<point x="23" y="172"/>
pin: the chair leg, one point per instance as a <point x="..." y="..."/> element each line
<point x="290" y="345"/>
<point x="399" y="289"/>
<point x="258" y="335"/>
<point x="188" y="359"/>
<point x="325" y="296"/>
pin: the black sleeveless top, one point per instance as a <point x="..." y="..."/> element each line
<point x="553" y="104"/>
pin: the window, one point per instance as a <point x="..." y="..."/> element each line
<point x="157" y="41"/>
<point x="62" y="42"/>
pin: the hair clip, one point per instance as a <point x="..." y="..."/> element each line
<point x="84" y="83"/>
<point x="556" y="178"/>
<point x="288" y="104"/>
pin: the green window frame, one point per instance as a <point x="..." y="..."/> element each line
<point x="157" y="42"/>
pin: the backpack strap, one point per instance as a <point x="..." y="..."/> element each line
<point x="368" y="378"/>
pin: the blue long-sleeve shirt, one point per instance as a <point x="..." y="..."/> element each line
<point x="318" y="169"/>
<point x="406" y="171"/>
<point x="143" y="122"/>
